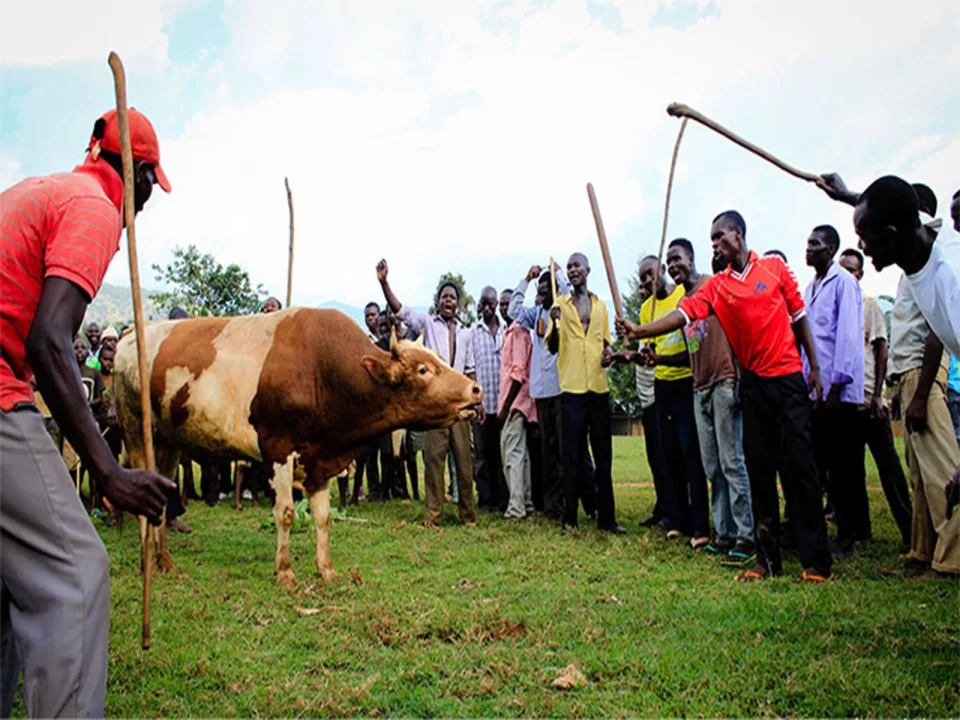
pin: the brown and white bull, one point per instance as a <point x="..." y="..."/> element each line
<point x="301" y="383"/>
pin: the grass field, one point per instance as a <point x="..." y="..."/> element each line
<point x="479" y="622"/>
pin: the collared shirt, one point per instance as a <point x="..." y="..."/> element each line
<point x="936" y="288"/>
<point x="580" y="352"/>
<point x="874" y="329"/>
<point x="835" y="315"/>
<point x="65" y="225"/>
<point x="544" y="381"/>
<point x="487" y="351"/>
<point x="517" y="354"/>
<point x="756" y="309"/>
<point x="436" y="337"/>
<point x="672" y="343"/>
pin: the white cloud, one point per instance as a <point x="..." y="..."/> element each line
<point x="52" y="32"/>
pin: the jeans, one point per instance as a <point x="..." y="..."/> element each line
<point x="953" y="402"/>
<point x="688" y="502"/>
<point x="720" y="426"/>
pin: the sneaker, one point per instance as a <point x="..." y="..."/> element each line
<point x="247" y="495"/>
<point x="743" y="553"/>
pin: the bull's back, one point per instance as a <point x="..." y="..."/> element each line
<point x="203" y="377"/>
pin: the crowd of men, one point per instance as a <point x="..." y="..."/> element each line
<point x="743" y="378"/>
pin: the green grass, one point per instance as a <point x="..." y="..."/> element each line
<point x="479" y="622"/>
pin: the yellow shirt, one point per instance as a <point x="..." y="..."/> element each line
<point x="578" y="363"/>
<point x="671" y="343"/>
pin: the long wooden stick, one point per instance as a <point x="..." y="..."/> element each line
<point x="605" y="251"/>
<point x="120" y="84"/>
<point x="666" y="216"/>
<point x="286" y="184"/>
<point x="681" y="110"/>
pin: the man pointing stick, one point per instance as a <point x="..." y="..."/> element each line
<point x="759" y="306"/>
<point x="59" y="234"/>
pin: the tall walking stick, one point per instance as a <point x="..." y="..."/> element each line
<point x="286" y="184"/>
<point x="666" y="216"/>
<point x="605" y="251"/>
<point x="120" y="84"/>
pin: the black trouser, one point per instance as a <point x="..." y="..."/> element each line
<point x="536" y="465"/>
<point x="551" y="459"/>
<point x="651" y="440"/>
<point x="878" y="436"/>
<point x="587" y="415"/>
<point x="368" y="462"/>
<point x="848" y="492"/>
<point x="688" y="504"/>
<point x="492" y="493"/>
<point x="766" y="403"/>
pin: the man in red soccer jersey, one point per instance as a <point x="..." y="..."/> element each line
<point x="59" y="234"/>
<point x="759" y="306"/>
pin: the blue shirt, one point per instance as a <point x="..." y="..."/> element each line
<point x="953" y="380"/>
<point x="835" y="316"/>
<point x="544" y="380"/>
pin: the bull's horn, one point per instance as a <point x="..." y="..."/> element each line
<point x="394" y="345"/>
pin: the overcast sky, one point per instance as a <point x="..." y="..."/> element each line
<point x="460" y="135"/>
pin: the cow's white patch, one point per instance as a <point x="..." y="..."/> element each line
<point x="283" y="514"/>
<point x="320" y="510"/>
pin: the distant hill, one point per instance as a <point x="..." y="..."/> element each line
<point x="113" y="305"/>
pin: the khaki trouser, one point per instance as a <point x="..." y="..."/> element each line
<point x="516" y="465"/>
<point x="436" y="445"/>
<point x="933" y="456"/>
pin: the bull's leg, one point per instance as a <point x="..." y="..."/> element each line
<point x="283" y="514"/>
<point x="320" y="510"/>
<point x="168" y="461"/>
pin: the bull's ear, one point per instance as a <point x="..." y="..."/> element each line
<point x="419" y="340"/>
<point x="394" y="346"/>
<point x="386" y="372"/>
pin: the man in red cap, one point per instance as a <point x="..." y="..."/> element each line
<point x="58" y="235"/>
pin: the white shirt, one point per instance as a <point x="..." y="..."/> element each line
<point x="936" y="288"/>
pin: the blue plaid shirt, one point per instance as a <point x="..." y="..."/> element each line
<point x="487" y="352"/>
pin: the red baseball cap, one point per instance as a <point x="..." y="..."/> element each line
<point x="143" y="141"/>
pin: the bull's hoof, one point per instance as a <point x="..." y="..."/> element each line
<point x="286" y="578"/>
<point x="328" y="575"/>
<point x="167" y="564"/>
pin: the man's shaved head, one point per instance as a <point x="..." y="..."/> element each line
<point x="581" y="258"/>
<point x="489" y="291"/>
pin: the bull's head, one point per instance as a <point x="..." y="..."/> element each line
<point x="424" y="390"/>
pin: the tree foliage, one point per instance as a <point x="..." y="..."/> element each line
<point x="623" y="385"/>
<point x="202" y="286"/>
<point x="467" y="303"/>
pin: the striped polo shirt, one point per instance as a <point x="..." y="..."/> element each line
<point x="64" y="225"/>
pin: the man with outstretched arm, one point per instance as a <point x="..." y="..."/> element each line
<point x="445" y="335"/>
<point x="59" y="234"/>
<point x="759" y="306"/>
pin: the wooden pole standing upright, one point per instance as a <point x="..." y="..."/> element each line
<point x="120" y="85"/>
<point x="286" y="184"/>
<point x="666" y="217"/>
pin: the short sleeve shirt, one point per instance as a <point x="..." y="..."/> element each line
<point x="756" y="309"/>
<point x="65" y="225"/>
<point x="670" y="344"/>
<point x="874" y="328"/>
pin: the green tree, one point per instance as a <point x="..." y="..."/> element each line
<point x="623" y="385"/>
<point x="467" y="303"/>
<point x="202" y="286"/>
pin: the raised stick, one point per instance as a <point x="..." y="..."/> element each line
<point x="605" y="251"/>
<point x="286" y="184"/>
<point x="666" y="216"/>
<point x="681" y="110"/>
<point x="553" y="280"/>
<point x="120" y="85"/>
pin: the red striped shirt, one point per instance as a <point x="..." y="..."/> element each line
<point x="756" y="309"/>
<point x="65" y="225"/>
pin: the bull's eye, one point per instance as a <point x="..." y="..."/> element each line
<point x="422" y="370"/>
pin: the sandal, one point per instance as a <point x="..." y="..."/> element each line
<point x="757" y="573"/>
<point x="810" y="576"/>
